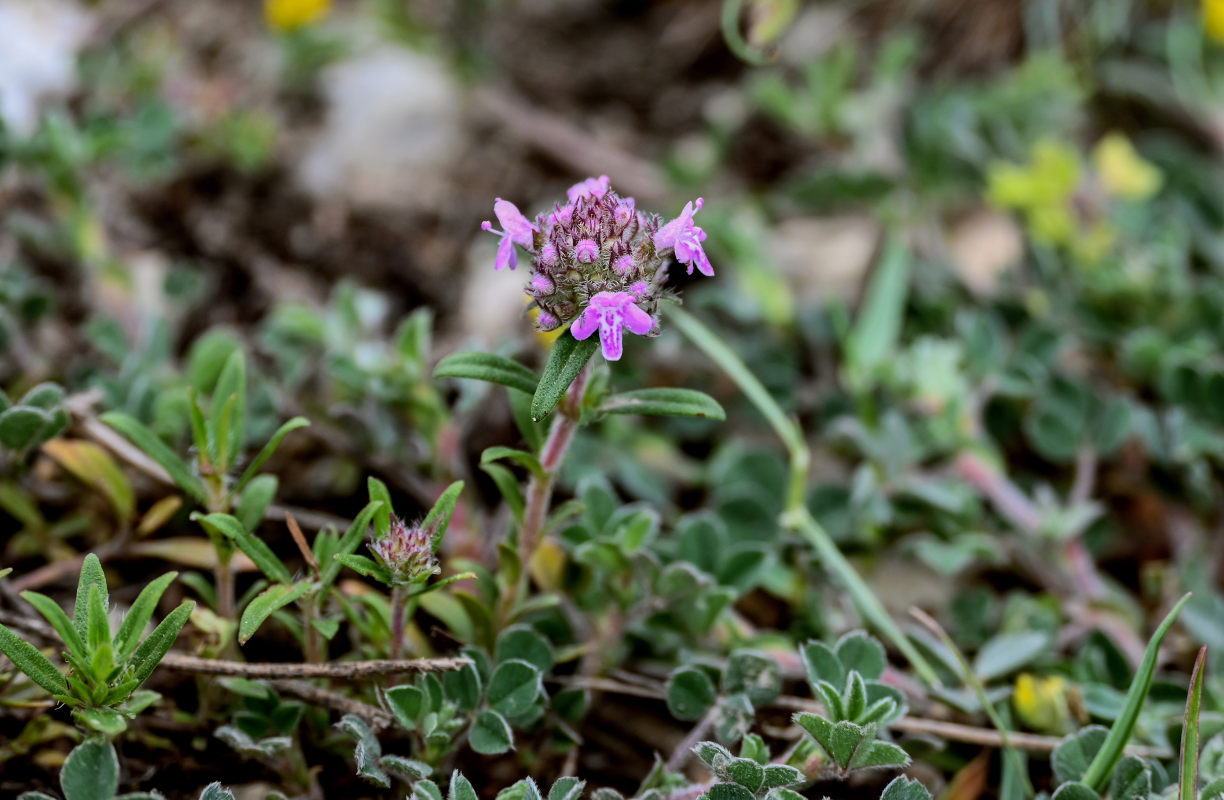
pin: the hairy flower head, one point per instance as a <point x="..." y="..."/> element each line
<point x="597" y="261"/>
<point x="407" y="552"/>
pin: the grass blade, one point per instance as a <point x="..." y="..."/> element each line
<point x="1107" y="757"/>
<point x="1187" y="785"/>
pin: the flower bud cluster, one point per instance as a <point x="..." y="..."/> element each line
<point x="598" y="261"/>
<point x="406" y="551"/>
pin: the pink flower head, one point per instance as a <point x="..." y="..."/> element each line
<point x="542" y="284"/>
<point x="610" y="313"/>
<point x="516" y="229"/>
<point x="591" y="187"/>
<point x="685" y="238"/>
<point x="623" y="265"/>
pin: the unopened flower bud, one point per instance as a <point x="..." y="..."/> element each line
<point x="407" y="552"/>
<point x="586" y="251"/>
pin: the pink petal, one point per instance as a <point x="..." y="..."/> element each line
<point x="637" y="320"/>
<point x="517" y="227"/>
<point x="506" y="257"/>
<point x="586" y="324"/>
<point x="610" y="337"/>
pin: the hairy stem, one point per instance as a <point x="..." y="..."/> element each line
<point x="398" y="599"/>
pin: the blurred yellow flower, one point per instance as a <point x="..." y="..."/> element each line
<point x="1213" y="19"/>
<point x="1123" y="172"/>
<point x="289" y="15"/>
<point x="1041" y="702"/>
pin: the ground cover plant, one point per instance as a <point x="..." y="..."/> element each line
<point x="694" y="400"/>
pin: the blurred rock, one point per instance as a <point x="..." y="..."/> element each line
<point x="982" y="246"/>
<point x="391" y="135"/>
<point x="493" y="309"/>
<point x="39" y="40"/>
<point x="825" y="257"/>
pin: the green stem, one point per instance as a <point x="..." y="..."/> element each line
<point x="796" y="516"/>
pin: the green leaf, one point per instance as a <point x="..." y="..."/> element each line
<point x="1187" y="784"/>
<point x="147" y="441"/>
<point x="753" y="673"/>
<point x="727" y="791"/>
<point x="566" y="360"/>
<point x="520" y="457"/>
<point x="873" y="339"/>
<point x="103" y="720"/>
<point x="487" y="367"/>
<point x="690" y="693"/>
<point x="1213" y="790"/>
<point x="228" y="412"/>
<point x="33" y="663"/>
<point x="215" y="791"/>
<point x="59" y="620"/>
<point x="229" y="527"/>
<point x="367" y="751"/>
<point x="1005" y="654"/>
<point x="747" y="773"/>
<point x="566" y="788"/>
<point x="903" y="788"/>
<point x="155" y="646"/>
<point x="255" y="499"/>
<point x="860" y="652"/>
<point x="664" y="402"/>
<point x="1071" y="758"/>
<point x="406" y="768"/>
<point x="379" y="492"/>
<point x="47" y="396"/>
<point x="91" y="771"/>
<point x="509" y="487"/>
<point x="461" y="788"/>
<point x="330" y="569"/>
<point x="782" y="775"/>
<point x="268" y="449"/>
<point x="365" y="566"/>
<point x="270" y="600"/>
<point x="490" y="734"/>
<point x="822" y="664"/>
<point x="1075" y="791"/>
<point x="879" y="754"/>
<point x="1120" y="733"/>
<point x="98" y="620"/>
<point x="661" y="401"/>
<point x="513" y="687"/>
<point x="439" y="517"/>
<point x="20" y="426"/>
<point x="91" y="575"/>
<point x="463" y="686"/>
<point x="406" y="703"/>
<point x="524" y="643"/>
<point x="1132" y="780"/>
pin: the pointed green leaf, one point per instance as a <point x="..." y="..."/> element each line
<point x="566" y="360"/>
<point x="272" y="599"/>
<point x="367" y="751"/>
<point x="228" y="413"/>
<point x="91" y="575"/>
<point x="1101" y="766"/>
<point x="150" y="652"/>
<point x="379" y="493"/>
<point x="1187" y="785"/>
<point x="99" y="620"/>
<point x="664" y="402"/>
<point x="255" y="549"/>
<point x="330" y="568"/>
<point x="58" y="619"/>
<point x="156" y="449"/>
<point x="33" y="663"/>
<point x="487" y="367"/>
<point x="520" y="457"/>
<point x="268" y="449"/>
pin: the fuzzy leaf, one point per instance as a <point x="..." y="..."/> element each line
<point x="513" y="687"/>
<point x="270" y="600"/>
<point x="367" y="752"/>
<point x="664" y="402"/>
<point x="526" y="644"/>
<point x="690" y="693"/>
<point x="903" y="788"/>
<point x="491" y="734"/>
<point x="566" y="360"/>
<point x="91" y="771"/>
<point x="487" y="367"/>
<point x="150" y="652"/>
<point x="156" y="449"/>
<point x="268" y="449"/>
<point x="138" y="616"/>
<point x="439" y="517"/>
<point x="33" y="663"/>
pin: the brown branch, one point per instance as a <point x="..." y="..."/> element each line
<point x="375" y="716"/>
<point x="334" y="669"/>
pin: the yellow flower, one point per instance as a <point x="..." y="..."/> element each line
<point x="1213" y="19"/>
<point x="289" y="15"/>
<point x="1041" y="702"/>
<point x="1123" y="172"/>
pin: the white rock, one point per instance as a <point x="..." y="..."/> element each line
<point x="392" y="131"/>
<point x="982" y="246"/>
<point x="825" y="257"/>
<point x="39" y="40"/>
